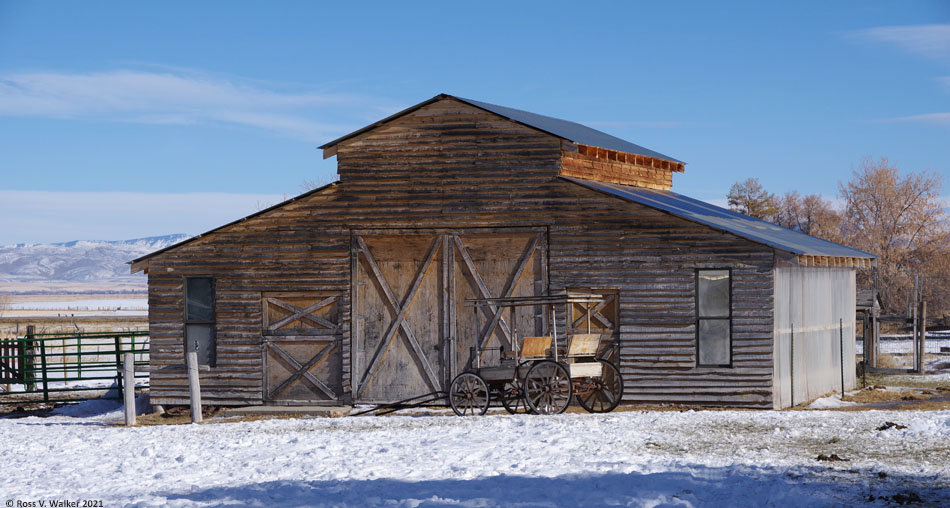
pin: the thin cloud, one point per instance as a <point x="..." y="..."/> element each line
<point x="932" y="41"/>
<point x="170" y="97"/>
<point x="944" y="81"/>
<point x="928" y="118"/>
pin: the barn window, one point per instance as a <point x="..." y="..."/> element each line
<point x="713" y="318"/>
<point x="199" y="318"/>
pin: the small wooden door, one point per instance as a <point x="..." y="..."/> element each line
<point x="411" y="327"/>
<point x="302" y="347"/>
<point x="601" y="318"/>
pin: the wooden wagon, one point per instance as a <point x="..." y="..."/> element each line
<point x="538" y="374"/>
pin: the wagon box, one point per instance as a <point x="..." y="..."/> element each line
<point x="356" y="292"/>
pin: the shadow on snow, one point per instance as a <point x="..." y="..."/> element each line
<point x="692" y="486"/>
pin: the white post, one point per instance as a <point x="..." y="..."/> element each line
<point x="128" y="375"/>
<point x="194" y="389"/>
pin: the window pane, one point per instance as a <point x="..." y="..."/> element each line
<point x="714" y="342"/>
<point x="200" y="338"/>
<point x="713" y="293"/>
<point x="199" y="303"/>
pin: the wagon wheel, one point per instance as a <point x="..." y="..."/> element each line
<point x="512" y="397"/>
<point x="468" y="394"/>
<point x="548" y="388"/>
<point x="603" y="393"/>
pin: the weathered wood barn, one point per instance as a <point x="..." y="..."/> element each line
<point x="355" y="292"/>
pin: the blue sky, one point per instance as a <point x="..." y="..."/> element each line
<point x="130" y="119"/>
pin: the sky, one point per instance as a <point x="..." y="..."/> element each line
<point x="122" y="120"/>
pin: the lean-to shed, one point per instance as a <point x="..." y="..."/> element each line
<point x="355" y="292"/>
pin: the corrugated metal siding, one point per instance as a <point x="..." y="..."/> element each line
<point x="813" y="299"/>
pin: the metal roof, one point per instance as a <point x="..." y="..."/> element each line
<point x="722" y="219"/>
<point x="571" y="131"/>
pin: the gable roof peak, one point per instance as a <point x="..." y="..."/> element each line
<point x="564" y="129"/>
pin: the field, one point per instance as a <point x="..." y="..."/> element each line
<point x="66" y="313"/>
<point x="630" y="458"/>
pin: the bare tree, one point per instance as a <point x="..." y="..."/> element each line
<point x="750" y="198"/>
<point x="310" y="184"/>
<point x="4" y="303"/>
<point x="811" y="214"/>
<point x="263" y="205"/>
<point x="902" y="221"/>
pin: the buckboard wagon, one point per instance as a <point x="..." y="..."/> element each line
<point x="539" y="375"/>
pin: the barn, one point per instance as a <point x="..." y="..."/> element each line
<point x="356" y="292"/>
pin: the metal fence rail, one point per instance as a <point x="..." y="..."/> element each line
<point x="69" y="367"/>
<point x="937" y="343"/>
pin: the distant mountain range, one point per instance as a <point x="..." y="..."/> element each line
<point x="82" y="261"/>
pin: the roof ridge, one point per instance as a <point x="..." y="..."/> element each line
<point x="564" y="129"/>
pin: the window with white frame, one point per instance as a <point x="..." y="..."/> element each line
<point x="713" y="318"/>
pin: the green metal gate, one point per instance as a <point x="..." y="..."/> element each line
<point x="69" y="367"/>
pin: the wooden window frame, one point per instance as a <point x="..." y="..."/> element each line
<point x="699" y="318"/>
<point x="212" y="322"/>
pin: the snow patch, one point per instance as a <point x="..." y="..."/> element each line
<point x="830" y="402"/>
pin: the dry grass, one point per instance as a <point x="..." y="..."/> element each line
<point x="893" y="361"/>
<point x="16" y="326"/>
<point x="210" y="417"/>
<point x="908" y="381"/>
<point x="876" y="394"/>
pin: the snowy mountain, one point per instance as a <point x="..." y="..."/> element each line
<point x="81" y="261"/>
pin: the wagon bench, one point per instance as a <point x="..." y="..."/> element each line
<point x="355" y="292"/>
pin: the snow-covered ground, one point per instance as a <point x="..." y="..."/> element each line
<point x="636" y="458"/>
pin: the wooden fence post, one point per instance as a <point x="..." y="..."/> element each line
<point x="876" y="338"/>
<point x="129" y="368"/>
<point x="194" y="389"/>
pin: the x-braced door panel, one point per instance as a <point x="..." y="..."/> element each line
<point x="497" y="266"/>
<point x="410" y="315"/>
<point x="601" y="318"/>
<point x="302" y="347"/>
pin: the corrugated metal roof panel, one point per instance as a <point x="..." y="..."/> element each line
<point x="571" y="131"/>
<point x="725" y="220"/>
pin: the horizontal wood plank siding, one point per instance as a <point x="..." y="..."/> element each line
<point x="452" y="166"/>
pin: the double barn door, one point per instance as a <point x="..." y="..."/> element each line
<point x="412" y="328"/>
